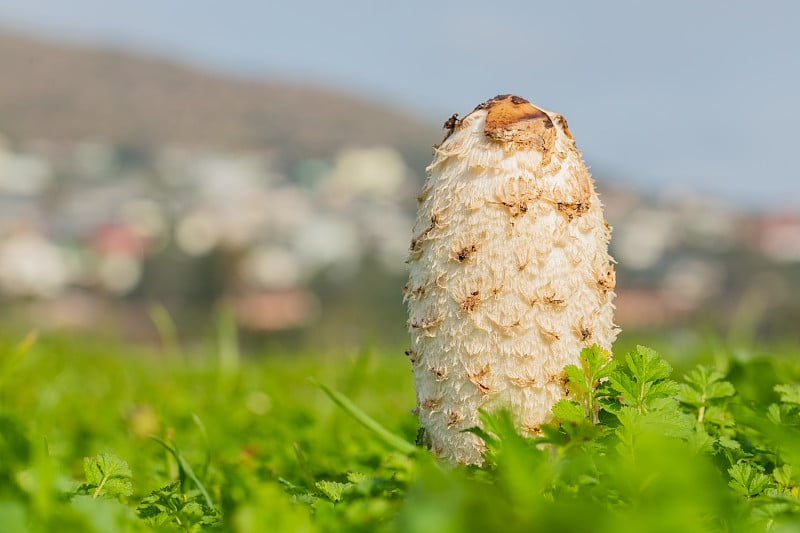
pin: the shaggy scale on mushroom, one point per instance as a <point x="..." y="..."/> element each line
<point x="510" y="275"/>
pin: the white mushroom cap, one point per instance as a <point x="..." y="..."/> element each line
<point x="510" y="275"/>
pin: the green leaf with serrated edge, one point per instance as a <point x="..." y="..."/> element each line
<point x="576" y="378"/>
<point x="489" y="439"/>
<point x="783" y="475"/>
<point x="665" y="404"/>
<point x="702" y="376"/>
<point x="646" y="365"/>
<point x="169" y="506"/>
<point x="688" y="395"/>
<point x="748" y="479"/>
<point x="670" y="422"/>
<point x="703" y="391"/>
<point x="720" y="389"/>
<point x="609" y="404"/>
<point x="109" y="475"/>
<point x="774" y="413"/>
<point x="630" y="425"/>
<point x="665" y="418"/>
<point x="789" y="393"/>
<point x="719" y="416"/>
<point x="333" y="489"/>
<point x="160" y="501"/>
<point x="727" y="442"/>
<point x="356" y="477"/>
<point x="625" y="387"/>
<point x="661" y="389"/>
<point x="193" y="511"/>
<point x="700" y="441"/>
<point x="569" y="411"/>
<point x="306" y="498"/>
<point x="597" y="361"/>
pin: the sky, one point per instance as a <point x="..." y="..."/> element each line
<point x="669" y="96"/>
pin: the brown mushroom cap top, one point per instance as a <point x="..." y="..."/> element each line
<point x="513" y="119"/>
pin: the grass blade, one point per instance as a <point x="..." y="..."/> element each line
<point x="18" y="354"/>
<point x="304" y="466"/>
<point x="167" y="331"/>
<point x="203" y="433"/>
<point x="186" y="467"/>
<point x="228" y="342"/>
<point x="396" y="442"/>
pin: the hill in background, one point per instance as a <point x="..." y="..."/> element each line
<point x="292" y="203"/>
<point x="65" y="92"/>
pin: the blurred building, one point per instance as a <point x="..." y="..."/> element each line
<point x="294" y="243"/>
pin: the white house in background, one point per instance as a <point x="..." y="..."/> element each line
<point x="32" y="266"/>
<point x="119" y="251"/>
<point x="376" y="172"/>
<point x="642" y="237"/>
<point x="271" y="267"/>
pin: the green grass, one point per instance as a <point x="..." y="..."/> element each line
<point x="99" y="436"/>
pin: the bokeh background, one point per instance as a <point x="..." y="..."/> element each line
<point x="190" y="158"/>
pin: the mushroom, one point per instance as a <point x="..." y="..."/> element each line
<point x="510" y="275"/>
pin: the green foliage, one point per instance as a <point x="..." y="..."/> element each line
<point x="367" y="421"/>
<point x="596" y="366"/>
<point x="656" y="454"/>
<point x="642" y="383"/>
<point x="235" y="443"/>
<point x="790" y="394"/>
<point x="170" y="506"/>
<point x="706" y="393"/>
<point x="106" y="475"/>
<point x="748" y="479"/>
<point x="185" y="470"/>
<point x="332" y="489"/>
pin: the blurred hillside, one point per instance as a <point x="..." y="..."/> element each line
<point x="127" y="183"/>
<point x="66" y="93"/>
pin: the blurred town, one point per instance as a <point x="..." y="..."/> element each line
<point x="87" y="226"/>
<point x="97" y="230"/>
